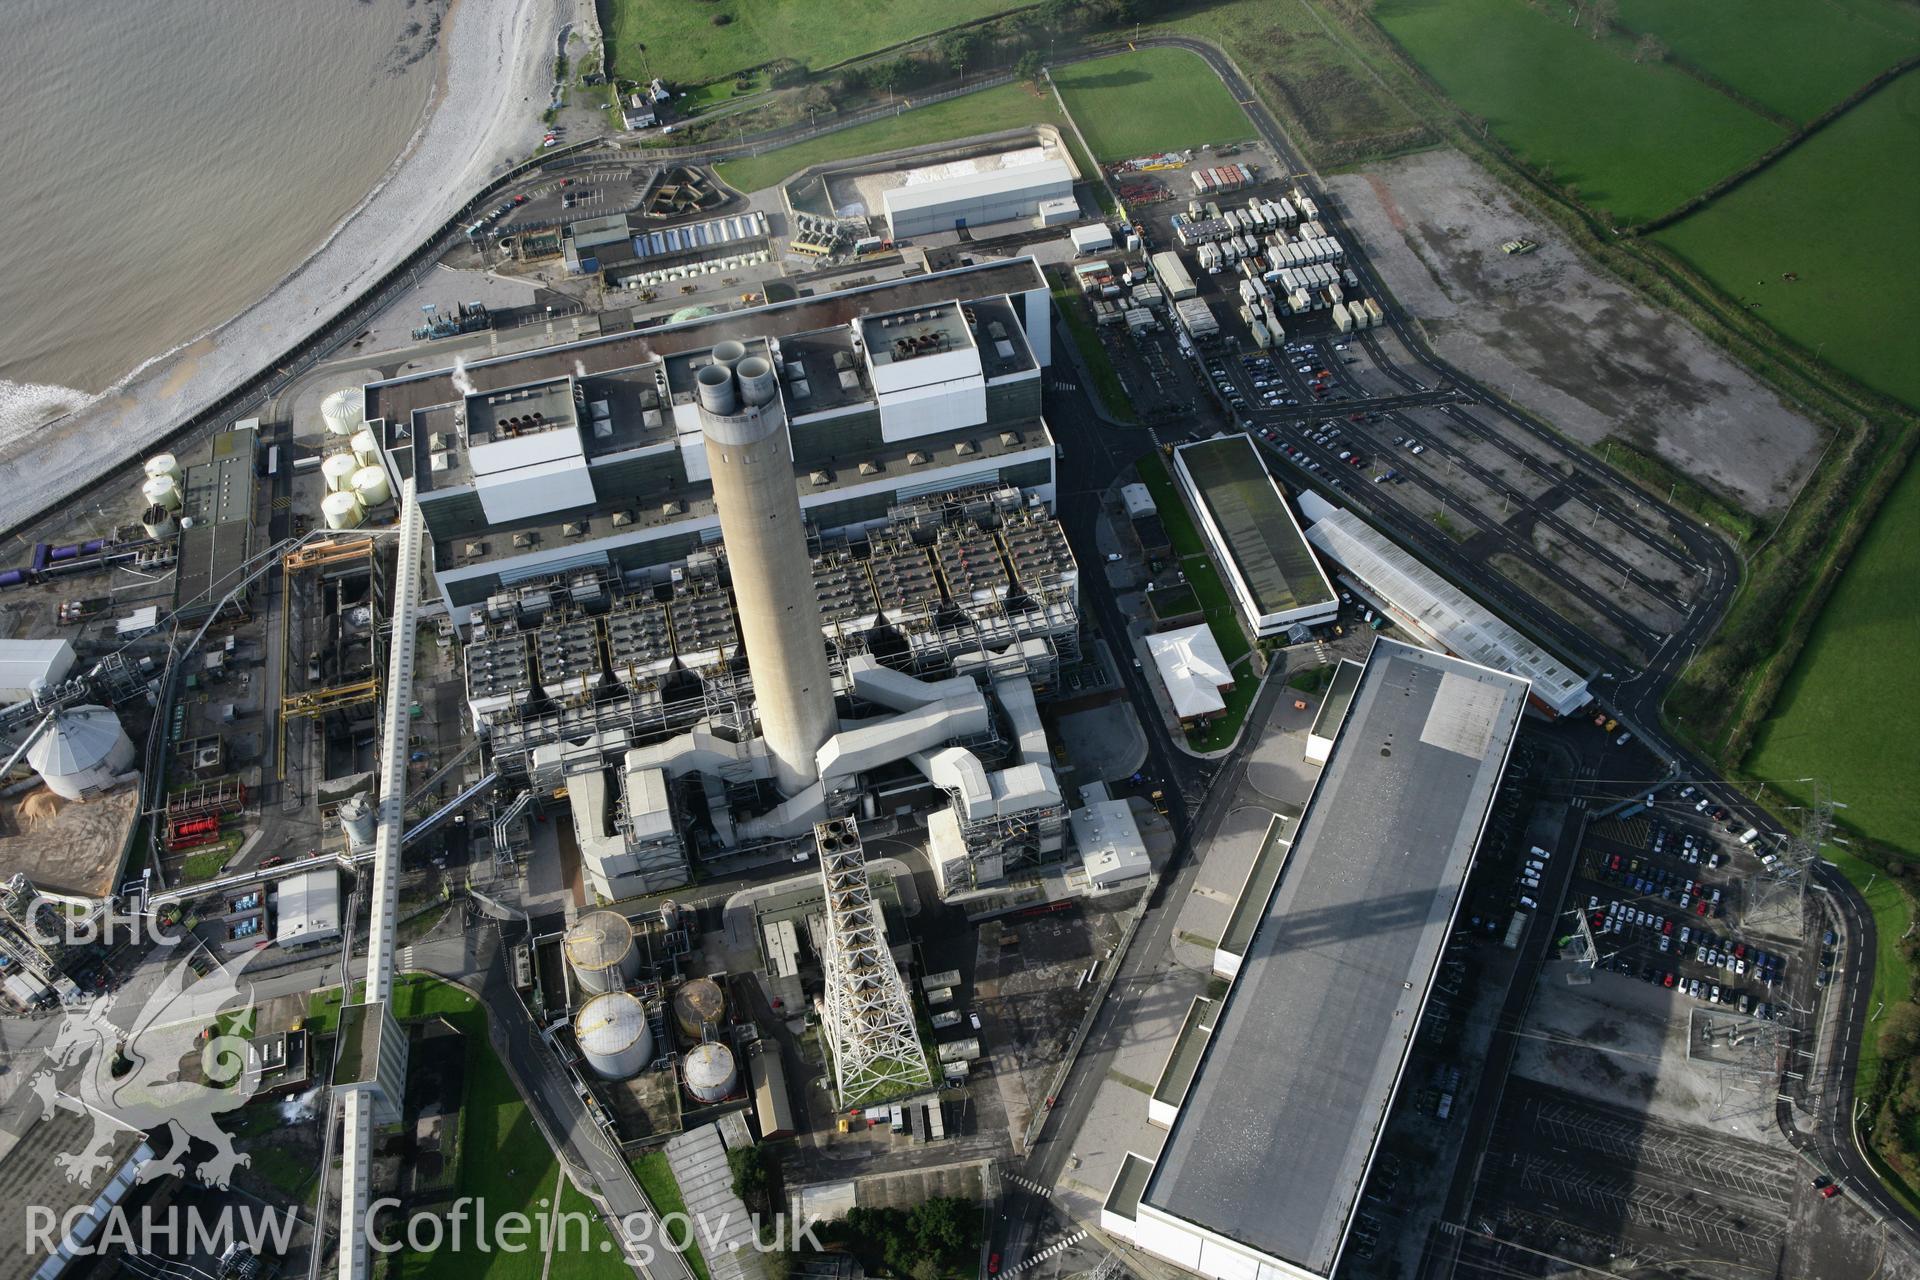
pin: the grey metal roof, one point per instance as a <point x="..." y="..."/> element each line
<point x="1279" y="1127"/>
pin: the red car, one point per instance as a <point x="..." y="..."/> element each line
<point x="1829" y="1192"/>
<point x="993" y="1265"/>
<point x="1667" y="980"/>
<point x="521" y="199"/>
<point x="1701" y="909"/>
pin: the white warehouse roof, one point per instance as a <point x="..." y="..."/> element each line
<point x="1449" y="615"/>
<point x="22" y="662"/>
<point x="1044" y="175"/>
<point x="1193" y="669"/>
<point x="309" y="907"/>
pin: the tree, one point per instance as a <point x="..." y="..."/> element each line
<point x="1602" y="16"/>
<point x="1061" y="15"/>
<point x="1028" y="68"/>
<point x="749" y="1169"/>
<point x="958" y="48"/>
<point x="1649" y="48"/>
<point x="1900" y="1035"/>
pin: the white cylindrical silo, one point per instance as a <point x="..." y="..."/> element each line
<point x="756" y="380"/>
<point x="165" y="464"/>
<point x="343" y="412"/>
<point x="357" y="819"/>
<point x="612" y="1033"/>
<point x="82" y="752"/>
<point x="161" y="491"/>
<point x="159" y="522"/>
<point x="709" y="1073"/>
<point x="337" y="470"/>
<point x="714" y="385"/>
<point x="341" y="511"/>
<point x="371" y="487"/>
<point x="600" y="951"/>
<point x="729" y="353"/>
<point x="366" y="446"/>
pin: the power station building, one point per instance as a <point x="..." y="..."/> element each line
<point x="1274" y="1097"/>
<point x="729" y="577"/>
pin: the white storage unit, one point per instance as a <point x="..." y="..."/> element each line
<point x="23" y="663"/>
<point x="975" y="199"/>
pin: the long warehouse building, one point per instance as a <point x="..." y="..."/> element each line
<point x="1274" y="1123"/>
<point x="1427" y="604"/>
<point x="1274" y="578"/>
<point x="975" y="199"/>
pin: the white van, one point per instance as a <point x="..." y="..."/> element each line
<point x="1750" y="835"/>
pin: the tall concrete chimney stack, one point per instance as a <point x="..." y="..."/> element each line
<point x="766" y="542"/>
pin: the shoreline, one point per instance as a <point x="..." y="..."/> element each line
<point x="494" y="77"/>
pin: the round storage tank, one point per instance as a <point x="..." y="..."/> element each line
<point x="342" y="412"/>
<point x="600" y="951"/>
<point x="82" y="752"/>
<point x="612" y="1033"/>
<point x="161" y="491"/>
<point x="341" y="511"/>
<point x="698" y="1007"/>
<point x="357" y="819"/>
<point x="337" y="470"/>
<point x="165" y="464"/>
<point x="709" y="1073"/>
<point x="366" y="446"/>
<point x="159" y="522"/>
<point x="371" y="487"/>
<point x="729" y="353"/>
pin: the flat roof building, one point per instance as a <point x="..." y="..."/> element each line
<point x="1270" y="1143"/>
<point x="975" y="199"/>
<point x="1429" y="605"/>
<point x="1263" y="556"/>
<point x="25" y="663"/>
<point x="216" y="526"/>
<point x="308" y="908"/>
<point x="589" y="455"/>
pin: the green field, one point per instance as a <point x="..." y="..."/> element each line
<point x="1304" y="74"/>
<point x="1636" y="139"/>
<point x="1122" y="104"/>
<point x="1847" y="712"/>
<point x="1856" y="253"/>
<point x="1892" y="975"/>
<point x="684" y="45"/>
<point x="988" y="111"/>
<point x="1795" y="58"/>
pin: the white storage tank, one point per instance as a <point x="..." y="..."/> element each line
<point x="756" y="380"/>
<point x="709" y="1073"/>
<point x="371" y="487"/>
<point x="600" y="951"/>
<point x="366" y="446"/>
<point x="341" y="511"/>
<point x="159" y="522"/>
<point x="161" y="491"/>
<point x="337" y="470"/>
<point x="612" y="1033"/>
<point x="343" y="412"/>
<point x="357" y="818"/>
<point x="165" y="464"/>
<point x="82" y="752"/>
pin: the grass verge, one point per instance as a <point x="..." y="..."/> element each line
<point x="655" y="1176"/>
<point x="988" y="111"/>
<point x="1666" y="482"/>
<point x="1093" y="353"/>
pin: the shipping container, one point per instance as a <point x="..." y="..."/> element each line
<point x="946" y="1018"/>
<point x="1374" y="314"/>
<point x="1262" y="338"/>
<point x="1341" y="319"/>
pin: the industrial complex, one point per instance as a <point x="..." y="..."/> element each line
<point x="898" y="692"/>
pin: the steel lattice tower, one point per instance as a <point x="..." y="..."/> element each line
<point x="869" y="1021"/>
<point x="1790" y="873"/>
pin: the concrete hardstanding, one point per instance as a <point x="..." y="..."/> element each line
<point x="759" y="509"/>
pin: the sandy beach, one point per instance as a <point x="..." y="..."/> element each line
<point x="495" y="75"/>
